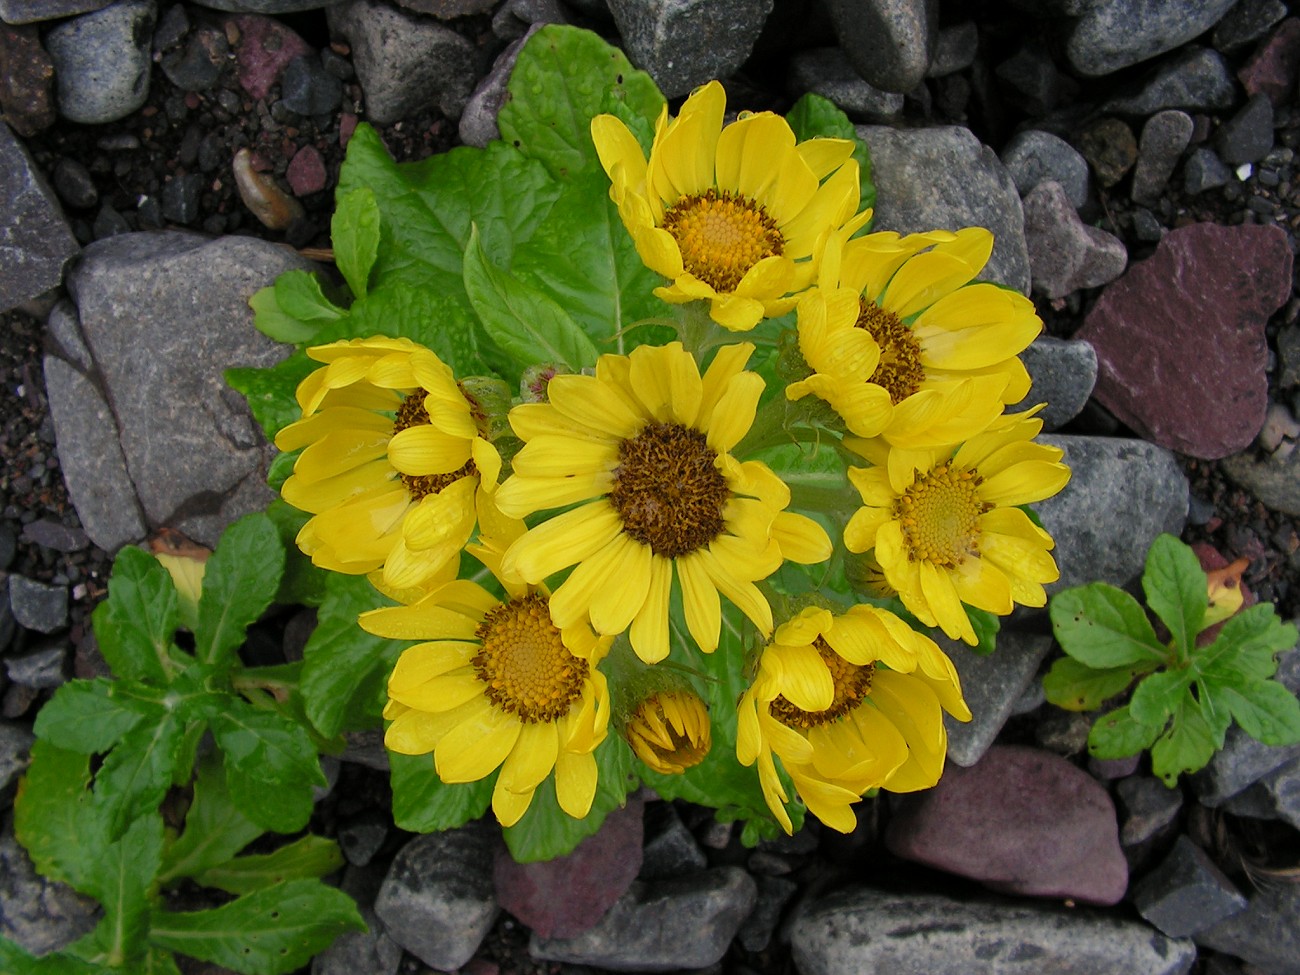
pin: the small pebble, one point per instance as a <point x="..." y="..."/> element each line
<point x="306" y="172"/>
<point x="74" y="184"/>
<point x="275" y="208"/>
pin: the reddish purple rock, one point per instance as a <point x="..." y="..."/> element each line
<point x="1181" y="352"/>
<point x="564" y="897"/>
<point x="306" y="172"/>
<point x="1273" y="67"/>
<point x="1021" y="821"/>
<point x="264" y="49"/>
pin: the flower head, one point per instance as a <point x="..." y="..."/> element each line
<point x="393" y="456"/>
<point x="498" y="684"/>
<point x="642" y="451"/>
<point x="848" y="703"/>
<point x="945" y="527"/>
<point x="903" y="346"/>
<point x="731" y="215"/>
<point x="669" y="731"/>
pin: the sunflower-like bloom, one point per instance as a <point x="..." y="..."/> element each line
<point x="734" y="216"/>
<point x="669" y="731"/>
<point x="848" y="703"/>
<point x="642" y="449"/>
<point x="393" y="457"/>
<point x="497" y="684"/>
<point x="945" y="526"/>
<point x="903" y="346"/>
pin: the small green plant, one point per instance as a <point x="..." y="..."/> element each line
<point x="1189" y="690"/>
<point x="111" y="754"/>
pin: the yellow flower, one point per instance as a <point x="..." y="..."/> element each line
<point x="848" y="703"/>
<point x="903" y="346"/>
<point x="393" y="457"/>
<point x="497" y="685"/>
<point x="642" y="450"/>
<point x="669" y="731"/>
<point x="735" y="216"/>
<point x="945" y="527"/>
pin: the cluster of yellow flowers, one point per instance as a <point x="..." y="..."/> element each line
<point x="639" y="480"/>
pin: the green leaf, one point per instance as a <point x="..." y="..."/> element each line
<point x="54" y="813"/>
<point x="137" y="773"/>
<point x="813" y="116"/>
<point x="1157" y="696"/>
<point x="523" y="322"/>
<point x="82" y="717"/>
<point x="1248" y="643"/>
<point x="308" y="856"/>
<point x="1118" y="734"/>
<point x="1102" y="626"/>
<point x="15" y="961"/>
<point x="562" y="78"/>
<point x="299" y="295"/>
<point x="242" y="577"/>
<point x="268" y="932"/>
<point x="270" y="392"/>
<point x="1189" y="744"/>
<point x="354" y="231"/>
<point x="1266" y="710"/>
<point x="135" y="624"/>
<point x="302" y="582"/>
<point x="215" y="828"/>
<point x="1078" y="687"/>
<point x="423" y="803"/>
<point x="276" y="323"/>
<point x="986" y="626"/>
<point x="402" y="312"/>
<point x="271" y="765"/>
<point x="122" y="879"/>
<point x="1176" y="589"/>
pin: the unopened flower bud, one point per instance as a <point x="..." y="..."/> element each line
<point x="1224" y="591"/>
<point x="669" y="731"/>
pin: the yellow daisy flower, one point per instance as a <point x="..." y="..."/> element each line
<point x="848" y="703"/>
<point x="642" y="450"/>
<point x="731" y="215"/>
<point x="498" y="684"/>
<point x="944" y="524"/>
<point x="903" y="346"/>
<point x="392" y="458"/>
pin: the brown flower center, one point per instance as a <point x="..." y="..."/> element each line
<point x="900" y="371"/>
<point x="413" y="414"/>
<point x="668" y="489"/>
<point x="939" y="515"/>
<point x="721" y="236"/>
<point x="528" y="670"/>
<point x="852" y="685"/>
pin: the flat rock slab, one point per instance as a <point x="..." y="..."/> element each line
<point x="35" y="242"/>
<point x="1180" y="342"/>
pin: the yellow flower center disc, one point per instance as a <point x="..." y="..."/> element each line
<point x="939" y="514"/>
<point x="413" y="414"/>
<point x="668" y="489"/>
<point x="721" y="236"/>
<point x="528" y="670"/>
<point x="852" y="685"/>
<point x="900" y="371"/>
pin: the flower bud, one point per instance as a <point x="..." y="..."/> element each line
<point x="669" y="731"/>
<point x="1224" y="591"/>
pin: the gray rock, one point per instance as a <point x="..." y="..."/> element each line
<point x="992" y="684"/>
<point x="1062" y="374"/>
<point x="1149" y="807"/>
<point x="38" y="914"/>
<point x="1196" y="79"/>
<point x="369" y="952"/>
<point x="1034" y="82"/>
<point x="185" y="298"/>
<point x="666" y="925"/>
<point x="1204" y="171"/>
<point x="1066" y="254"/>
<point x="194" y="64"/>
<point x="361" y="837"/>
<point x="1274" y="478"/>
<point x="34" y="11"/>
<point x="1248" y="135"/>
<point x="437" y="901"/>
<point x="1265" y="933"/>
<point x="15" y="754"/>
<point x="516" y="18"/>
<point x="943" y="177"/>
<point x="1114" y="34"/>
<point x="828" y="72"/>
<point x="1186" y="893"/>
<point x="684" y="43"/>
<point x="955" y="49"/>
<point x="773" y="894"/>
<point x="34" y="238"/>
<point x="1122" y="494"/>
<point x="1146" y="227"/>
<point x="1164" y="138"/>
<point x="862" y="930"/>
<point x="94" y="467"/>
<point x="265" y="6"/>
<point x="74" y="184"/>
<point x="1283" y="790"/>
<point x="1247" y="22"/>
<point x="405" y="62"/>
<point x="890" y="42"/>
<point x="102" y="60"/>
<point x="180" y="198"/>
<point x="308" y="89"/>
<point x="1033" y="156"/>
<point x="43" y="670"/>
<point x="669" y="849"/>
<point x="37" y="606"/>
<point x="478" y="122"/>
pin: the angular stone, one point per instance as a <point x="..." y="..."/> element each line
<point x="991" y="684"/>
<point x="1062" y="374"/>
<point x="265" y="6"/>
<point x="773" y="894"/>
<point x="890" y="42"/>
<point x="1185" y="323"/>
<point x="306" y="173"/>
<point x="478" y="122"/>
<point x="1020" y="821"/>
<point x="102" y="61"/>
<point x="1149" y="807"/>
<point x="34" y="238"/>
<point x="944" y="178"/>
<point x="669" y="850"/>
<point x="1114" y="34"/>
<point x="37" y="606"/>
<point x="1110" y="148"/>
<point x="1164" y="138"/>
<point x="1122" y="494"/>
<point x="666" y="925"/>
<point x="1196" y="79"/>
<point x="955" y="50"/>
<point x="1272" y="69"/>
<point x="1066" y="254"/>
<point x="35" y="11"/>
<point x="1247" y="136"/>
<point x="448" y="9"/>
<point x="1186" y="893"/>
<point x="1204" y="171"/>
<point x="1246" y="23"/>
<point x="1033" y="156"/>
<point x="264" y="49"/>
<point x="15" y="754"/>
<point x="26" y="81"/>
<point x="43" y="670"/>
<point x="863" y="930"/>
<point x="828" y="72"/>
<point x="39" y="914"/>
<point x="1265" y="933"/>
<point x="437" y="900"/>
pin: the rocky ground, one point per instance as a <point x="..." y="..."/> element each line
<point x="1091" y="138"/>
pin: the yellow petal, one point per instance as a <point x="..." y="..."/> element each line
<point x="650" y="630"/>
<point x="575" y="783"/>
<point x="532" y="758"/>
<point x="476" y="747"/>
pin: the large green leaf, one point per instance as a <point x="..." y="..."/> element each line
<point x="55" y="818"/>
<point x="307" y="856"/>
<point x="15" y="961"/>
<point x="135" y="624"/>
<point x="215" y="828"/>
<point x="271" y="765"/>
<point x="81" y="716"/>
<point x="1118" y="735"/>
<point x="1266" y="710"/>
<point x="1175" y="587"/>
<point x="137" y="773"/>
<point x="423" y="803"/>
<point x="1190" y="742"/>
<point x="1102" y="626"/>
<point x="1078" y="687"/>
<point x="354" y="232"/>
<point x="242" y="577"/>
<point x="121" y="878"/>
